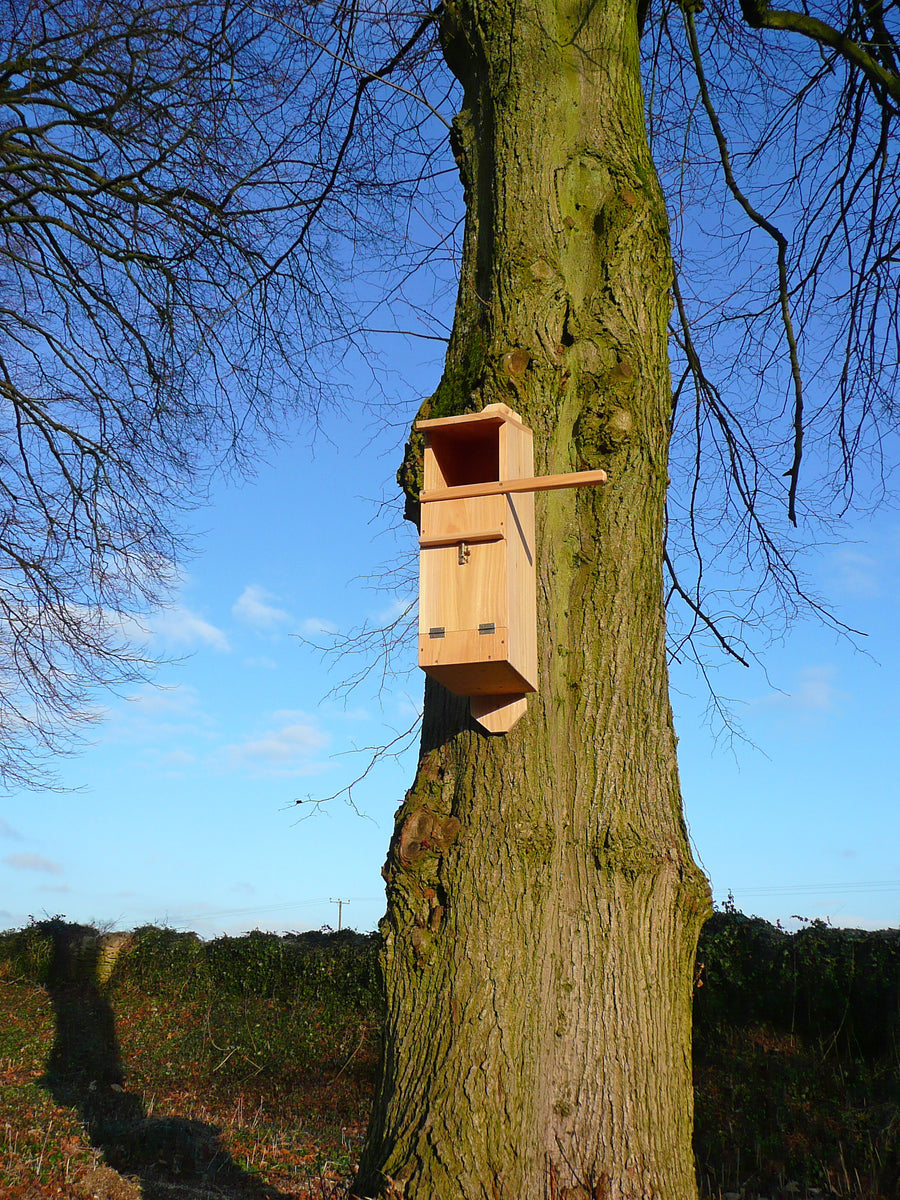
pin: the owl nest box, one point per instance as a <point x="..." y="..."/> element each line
<point x="477" y="603"/>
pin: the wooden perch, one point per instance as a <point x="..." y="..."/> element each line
<point x="534" y="483"/>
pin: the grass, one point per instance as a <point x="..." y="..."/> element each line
<point x="244" y="1068"/>
<point x="777" y="1115"/>
<point x="178" y="1089"/>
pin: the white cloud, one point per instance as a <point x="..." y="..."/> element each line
<point x="814" y="693"/>
<point x="857" y="573"/>
<point x="253" y="608"/>
<point x="314" y="625"/>
<point x="401" y="606"/>
<point x="32" y="862"/>
<point x="156" y="715"/>
<point x="176" y="758"/>
<point x="285" y="750"/>
<point x="292" y="716"/>
<point x="7" y="831"/>
<point x="177" y="625"/>
<point x="157" y="698"/>
<point x="351" y="714"/>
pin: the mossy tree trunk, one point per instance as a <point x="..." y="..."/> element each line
<point x="543" y="905"/>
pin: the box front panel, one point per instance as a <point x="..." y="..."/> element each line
<point x="462" y="588"/>
<point x="460" y="519"/>
<point x="471" y="663"/>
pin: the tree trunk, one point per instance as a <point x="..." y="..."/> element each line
<point x="543" y="905"/>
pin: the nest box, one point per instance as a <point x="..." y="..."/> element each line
<point x="477" y="606"/>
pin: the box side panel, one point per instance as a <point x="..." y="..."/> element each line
<point x="433" y="476"/>
<point x="517" y="462"/>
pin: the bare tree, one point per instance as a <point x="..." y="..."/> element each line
<point x="647" y="186"/>
<point x="181" y="198"/>
<point x="543" y="904"/>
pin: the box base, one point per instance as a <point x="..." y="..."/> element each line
<point x="498" y="714"/>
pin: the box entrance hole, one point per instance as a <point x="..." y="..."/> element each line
<point x="465" y="455"/>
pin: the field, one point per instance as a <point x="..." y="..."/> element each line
<point x="153" y="1066"/>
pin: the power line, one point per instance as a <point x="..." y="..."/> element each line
<point x="796" y="889"/>
<point x="787" y="889"/>
<point x="182" y="919"/>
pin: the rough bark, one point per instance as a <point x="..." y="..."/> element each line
<point x="543" y="905"/>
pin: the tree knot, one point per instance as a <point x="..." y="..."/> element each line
<point x="424" y="832"/>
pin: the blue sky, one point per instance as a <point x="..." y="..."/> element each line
<point x="182" y="808"/>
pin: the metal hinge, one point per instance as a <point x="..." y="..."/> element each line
<point x="436" y="631"/>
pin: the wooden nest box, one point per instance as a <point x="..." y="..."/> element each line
<point x="477" y="607"/>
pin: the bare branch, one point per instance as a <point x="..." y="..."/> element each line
<point x="759" y="15"/>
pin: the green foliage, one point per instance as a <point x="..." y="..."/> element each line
<point x="841" y="986"/>
<point x="159" y="959"/>
<point x="211" y="1089"/>
<point x="795" y="1047"/>
<point x="335" y="968"/>
<point x="29" y="952"/>
<point x="795" y="1058"/>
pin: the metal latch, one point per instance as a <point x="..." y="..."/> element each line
<point x="463" y="553"/>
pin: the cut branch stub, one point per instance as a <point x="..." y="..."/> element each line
<point x="424" y="832"/>
<point x="515" y="362"/>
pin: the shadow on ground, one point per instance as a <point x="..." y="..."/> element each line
<point x="159" y="1157"/>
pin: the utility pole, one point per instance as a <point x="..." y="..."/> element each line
<point x="340" y="904"/>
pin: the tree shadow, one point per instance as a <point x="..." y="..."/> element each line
<point x="167" y="1155"/>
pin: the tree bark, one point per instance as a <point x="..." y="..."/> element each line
<point x="543" y="905"/>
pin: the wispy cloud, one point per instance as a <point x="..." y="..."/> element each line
<point x="7" y="831"/>
<point x="153" y="699"/>
<point x="814" y="693"/>
<point x="32" y="862"/>
<point x="154" y="715"/>
<point x="178" y="625"/>
<point x="314" y="625"/>
<point x="286" y="749"/>
<point x="253" y="608"/>
<point x="856" y="572"/>
<point x="174" y="759"/>
<point x="400" y="606"/>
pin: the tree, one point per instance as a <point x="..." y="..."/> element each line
<point x="543" y="903"/>
<point x="539" y="967"/>
<point x="162" y="287"/>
